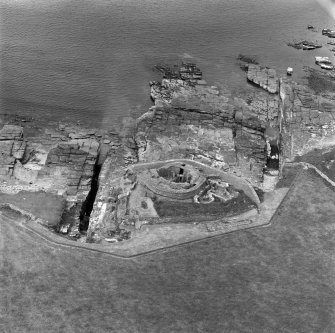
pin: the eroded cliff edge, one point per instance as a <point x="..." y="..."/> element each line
<point x="250" y="137"/>
<point x="200" y="154"/>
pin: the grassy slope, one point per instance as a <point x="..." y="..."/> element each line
<point x="322" y="159"/>
<point x="217" y="209"/>
<point x="46" y="206"/>
<point x="275" y="279"/>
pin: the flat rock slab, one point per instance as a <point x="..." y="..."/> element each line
<point x="12" y="148"/>
<point x="264" y="77"/>
<point x="11" y="132"/>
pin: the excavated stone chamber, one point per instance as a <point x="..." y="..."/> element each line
<point x="186" y="179"/>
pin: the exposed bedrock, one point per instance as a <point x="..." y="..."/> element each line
<point x="191" y="121"/>
<point x="248" y="138"/>
<point x="208" y="125"/>
<point x="307" y="120"/>
<point x="12" y="149"/>
<point x="305" y="117"/>
<point x="264" y="77"/>
<point x="60" y="160"/>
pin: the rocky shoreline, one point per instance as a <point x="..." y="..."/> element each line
<point x="250" y="138"/>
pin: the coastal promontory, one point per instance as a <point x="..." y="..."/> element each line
<point x="201" y="161"/>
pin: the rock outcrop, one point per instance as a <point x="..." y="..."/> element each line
<point x="12" y="148"/>
<point x="190" y="121"/>
<point x="307" y="120"/>
<point x="61" y="159"/>
<point x="264" y="77"/>
<point x="53" y="161"/>
<point x="305" y="45"/>
<point x="73" y="161"/>
<point x="205" y="124"/>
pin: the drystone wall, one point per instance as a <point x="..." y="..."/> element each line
<point x="238" y="182"/>
<point x="164" y="190"/>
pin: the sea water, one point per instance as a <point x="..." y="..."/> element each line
<point x="91" y="61"/>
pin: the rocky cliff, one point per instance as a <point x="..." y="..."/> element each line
<point x="250" y="137"/>
<point x="239" y="135"/>
<point x="201" y="122"/>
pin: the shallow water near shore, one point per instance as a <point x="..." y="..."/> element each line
<point x="92" y="61"/>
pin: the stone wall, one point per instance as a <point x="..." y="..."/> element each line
<point x="238" y="182"/>
<point x="162" y="189"/>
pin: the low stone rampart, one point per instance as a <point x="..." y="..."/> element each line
<point x="311" y="166"/>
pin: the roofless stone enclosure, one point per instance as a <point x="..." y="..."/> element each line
<point x="170" y="191"/>
<point x="200" y="174"/>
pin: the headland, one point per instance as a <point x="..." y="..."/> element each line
<point x="201" y="162"/>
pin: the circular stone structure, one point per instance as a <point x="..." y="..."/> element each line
<point x="177" y="181"/>
<point x="155" y="183"/>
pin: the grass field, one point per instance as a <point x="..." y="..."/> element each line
<point x="178" y="209"/>
<point x="275" y="279"/>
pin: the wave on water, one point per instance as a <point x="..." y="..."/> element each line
<point x="186" y="56"/>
